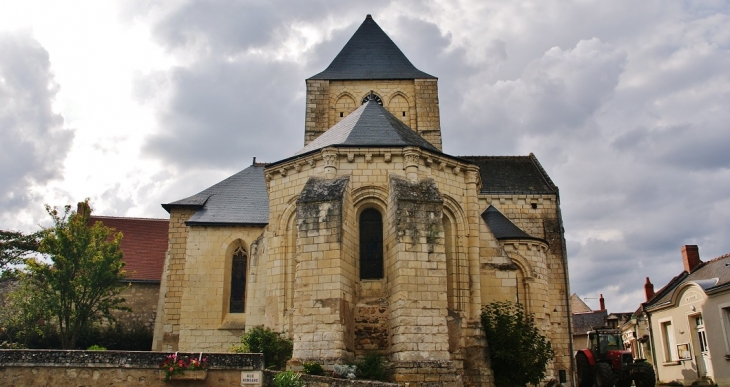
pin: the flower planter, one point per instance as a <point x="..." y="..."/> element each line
<point x="187" y="375"/>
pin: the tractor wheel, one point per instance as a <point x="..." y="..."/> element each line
<point x="645" y="377"/>
<point x="604" y="375"/>
<point x="585" y="376"/>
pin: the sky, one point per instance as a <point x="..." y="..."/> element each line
<point x="626" y="104"/>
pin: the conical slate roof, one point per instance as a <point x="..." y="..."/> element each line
<point x="503" y="228"/>
<point x="370" y="54"/>
<point x="370" y="125"/>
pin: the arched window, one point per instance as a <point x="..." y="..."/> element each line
<point x="238" y="280"/>
<point x="371" y="244"/>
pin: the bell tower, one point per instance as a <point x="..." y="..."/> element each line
<point x="370" y="61"/>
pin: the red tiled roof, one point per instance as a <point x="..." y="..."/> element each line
<point x="144" y="245"/>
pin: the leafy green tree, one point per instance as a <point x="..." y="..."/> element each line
<point x="21" y="315"/>
<point x="82" y="283"/>
<point x="518" y="352"/>
<point x="16" y="246"/>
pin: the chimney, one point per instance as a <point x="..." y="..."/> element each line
<point x="690" y="257"/>
<point x="603" y="303"/>
<point x="83" y="209"/>
<point x="648" y="289"/>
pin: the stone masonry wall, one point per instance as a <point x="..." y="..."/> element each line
<point x="539" y="216"/>
<point x="398" y="96"/>
<point x="415" y="102"/>
<point x="369" y="172"/>
<point x="418" y="284"/>
<point x="427" y="111"/>
<point x="32" y="368"/>
<point x="142" y="298"/>
<point x="205" y="321"/>
<point x="316" y="119"/>
<point x="322" y="295"/>
<point x="167" y="323"/>
<point x="417" y="278"/>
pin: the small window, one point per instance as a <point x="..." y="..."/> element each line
<point x="371" y="244"/>
<point x="342" y="114"/>
<point x="238" y="281"/>
<point x="404" y="114"/>
<point x="534" y="206"/>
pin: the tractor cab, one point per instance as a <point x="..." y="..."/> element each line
<point x="606" y="345"/>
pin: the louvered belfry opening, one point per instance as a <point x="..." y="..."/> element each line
<point x="371" y="244"/>
<point x="238" y="281"/>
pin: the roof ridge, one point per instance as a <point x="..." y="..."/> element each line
<point x="496" y="157"/>
<point x="126" y="218"/>
<point x="543" y="172"/>
<point x="665" y="289"/>
<point x="718" y="258"/>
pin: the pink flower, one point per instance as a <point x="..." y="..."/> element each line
<point x="171" y="369"/>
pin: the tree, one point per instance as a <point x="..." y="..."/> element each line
<point x="518" y="352"/>
<point x="82" y="283"/>
<point x="21" y="314"/>
<point x="15" y="246"/>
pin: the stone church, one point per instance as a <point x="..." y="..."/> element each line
<point x="370" y="238"/>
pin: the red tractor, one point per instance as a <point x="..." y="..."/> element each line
<point x="605" y="363"/>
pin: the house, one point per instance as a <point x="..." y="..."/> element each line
<point x="635" y="330"/>
<point x="144" y="244"/>
<point x="689" y="321"/>
<point x="584" y="319"/>
<point x="371" y="238"/>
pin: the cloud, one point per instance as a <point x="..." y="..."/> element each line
<point x="624" y="103"/>
<point x="35" y="143"/>
<point x="221" y="112"/>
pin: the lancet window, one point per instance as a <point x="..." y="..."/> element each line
<point x="239" y="270"/>
<point x="371" y="244"/>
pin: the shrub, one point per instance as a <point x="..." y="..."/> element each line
<point x="96" y="348"/>
<point x="313" y="368"/>
<point x="518" y="351"/>
<point x="288" y="379"/>
<point x="371" y="367"/>
<point x="276" y="348"/>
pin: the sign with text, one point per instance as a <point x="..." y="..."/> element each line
<point x="250" y="378"/>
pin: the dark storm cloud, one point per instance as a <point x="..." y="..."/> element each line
<point x="33" y="143"/>
<point x="222" y="112"/>
<point x="237" y="98"/>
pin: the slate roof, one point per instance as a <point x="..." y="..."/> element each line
<point x="512" y="174"/>
<point x="144" y="245"/>
<point x="503" y="228"/>
<point x="370" y="125"/>
<point x="710" y="276"/>
<point x="238" y="200"/>
<point x="370" y="54"/>
<point x="583" y="322"/>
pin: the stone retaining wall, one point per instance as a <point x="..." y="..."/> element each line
<point x="26" y="368"/>
<point x="51" y="368"/>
